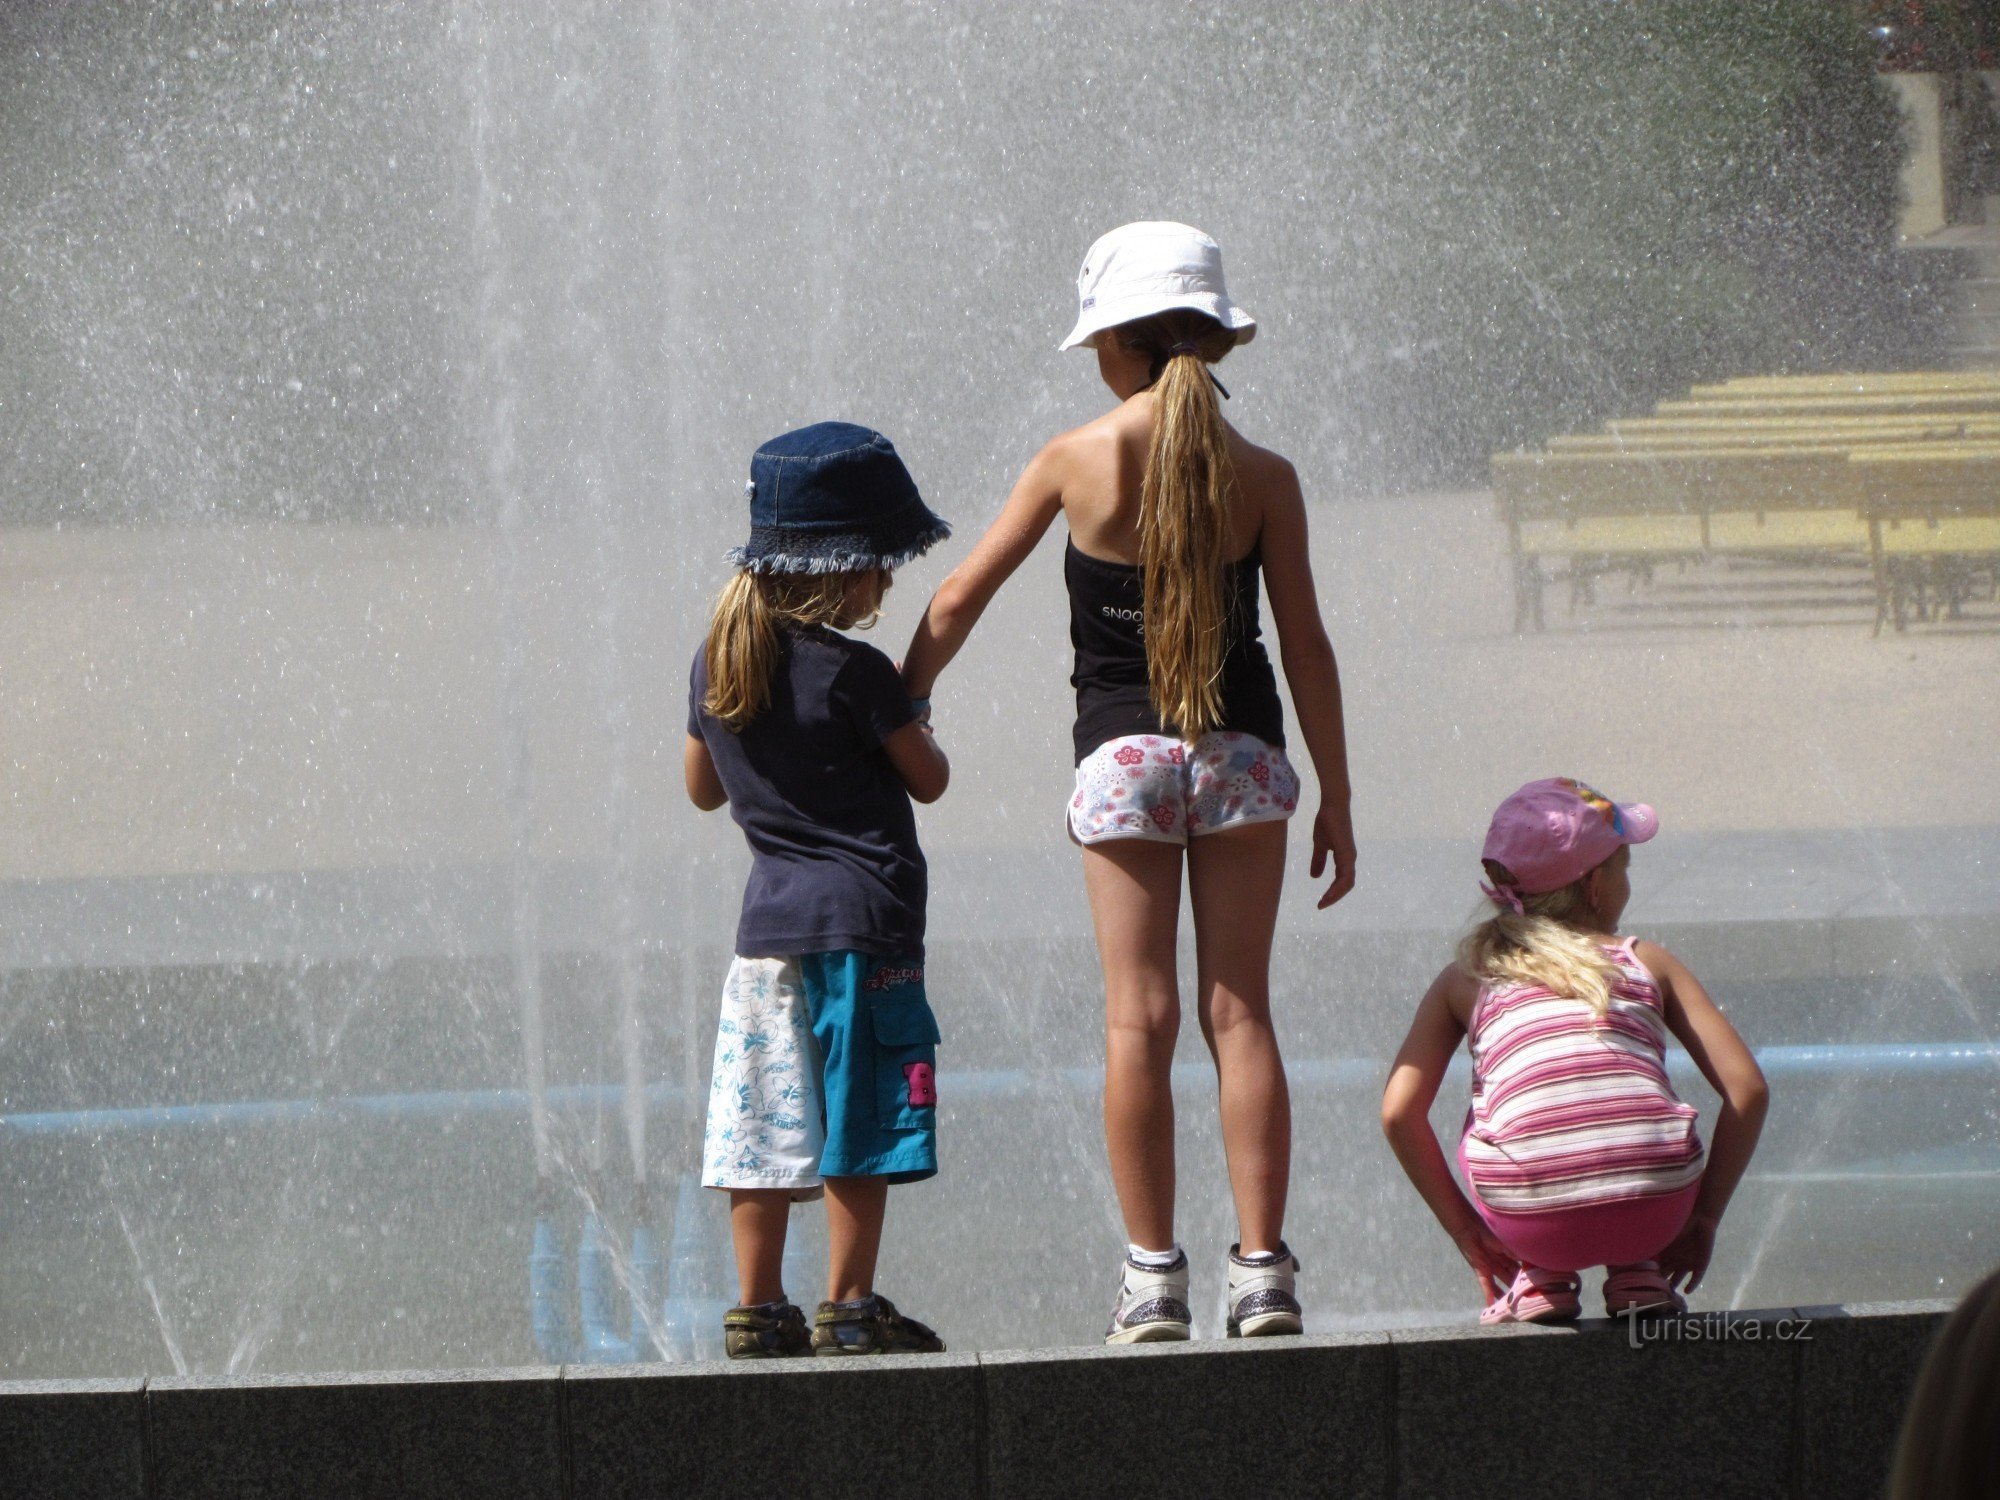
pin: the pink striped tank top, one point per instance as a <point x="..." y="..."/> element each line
<point x="1569" y="1109"/>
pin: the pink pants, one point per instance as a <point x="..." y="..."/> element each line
<point x="1594" y="1234"/>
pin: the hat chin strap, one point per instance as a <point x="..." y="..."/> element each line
<point x="1184" y="347"/>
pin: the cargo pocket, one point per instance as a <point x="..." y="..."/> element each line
<point x="906" y="1038"/>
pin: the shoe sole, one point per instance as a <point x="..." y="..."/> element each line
<point x="1269" y="1325"/>
<point x="1553" y="1315"/>
<point x="1530" y="1314"/>
<point x="1150" y="1333"/>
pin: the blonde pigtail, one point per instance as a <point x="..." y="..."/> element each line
<point x="1184" y="510"/>
<point x="743" y="632"/>
<point x="1538" y="946"/>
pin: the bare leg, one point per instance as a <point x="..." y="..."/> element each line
<point x="758" y="1218"/>
<point x="854" y="1208"/>
<point x="1135" y="899"/>
<point x="1234" y="879"/>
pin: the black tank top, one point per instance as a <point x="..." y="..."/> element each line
<point x="1106" y="628"/>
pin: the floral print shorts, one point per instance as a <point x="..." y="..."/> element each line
<point x="1147" y="786"/>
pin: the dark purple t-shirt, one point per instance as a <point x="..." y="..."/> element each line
<point x="834" y="860"/>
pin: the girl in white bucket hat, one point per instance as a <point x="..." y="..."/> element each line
<point x="1151" y="267"/>
<point x="1179" y="738"/>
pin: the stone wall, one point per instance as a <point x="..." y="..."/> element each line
<point x="1796" y="1402"/>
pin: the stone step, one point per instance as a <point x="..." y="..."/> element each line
<point x="1975" y="317"/>
<point x="1977" y="296"/>
<point x="1975" y="333"/>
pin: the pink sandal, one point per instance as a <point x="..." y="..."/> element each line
<point x="1537" y="1296"/>
<point x="1640" y="1287"/>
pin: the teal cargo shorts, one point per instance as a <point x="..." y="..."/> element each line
<point x="825" y="1066"/>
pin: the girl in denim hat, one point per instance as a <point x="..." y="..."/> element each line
<point x="825" y="1057"/>
<point x="1576" y="1149"/>
<point x="1179" y="741"/>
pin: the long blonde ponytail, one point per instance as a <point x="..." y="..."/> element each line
<point x="1539" y="946"/>
<point x="744" y="633"/>
<point x="1184" y="508"/>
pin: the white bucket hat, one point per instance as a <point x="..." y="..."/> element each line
<point x="1150" y="267"/>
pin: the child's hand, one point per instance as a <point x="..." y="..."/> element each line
<point x="1688" y="1254"/>
<point x="919" y="760"/>
<point x="1491" y="1264"/>
<point x="704" y="782"/>
<point x="1333" y="833"/>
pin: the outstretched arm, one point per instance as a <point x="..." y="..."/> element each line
<point x="1313" y="674"/>
<point x="1733" y="1073"/>
<point x="960" y="600"/>
<point x="1406" y="1119"/>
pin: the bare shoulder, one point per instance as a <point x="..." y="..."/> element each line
<point x="1657" y="960"/>
<point x="1677" y="984"/>
<point x="1119" y="425"/>
<point x="1057" y="452"/>
<point x="1269" y="489"/>
<point x="1261" y="468"/>
<point x="1077" y="450"/>
<point x="1458" y="991"/>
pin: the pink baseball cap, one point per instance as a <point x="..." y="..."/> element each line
<point x="1552" y="832"/>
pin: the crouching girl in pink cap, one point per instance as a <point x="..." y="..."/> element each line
<point x="1576" y="1150"/>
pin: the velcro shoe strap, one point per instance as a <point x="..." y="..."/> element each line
<point x="1243" y="1280"/>
<point x="1142" y="1285"/>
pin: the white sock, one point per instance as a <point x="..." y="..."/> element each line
<point x="1153" y="1260"/>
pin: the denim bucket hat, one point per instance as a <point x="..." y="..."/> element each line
<point x="834" y="498"/>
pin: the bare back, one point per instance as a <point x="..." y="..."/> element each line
<point x="1101" y="465"/>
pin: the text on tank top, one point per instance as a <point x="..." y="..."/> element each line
<point x="1107" y="630"/>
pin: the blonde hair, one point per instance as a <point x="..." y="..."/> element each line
<point x="1184" y="505"/>
<point x="744" y="632"/>
<point x="1539" y="945"/>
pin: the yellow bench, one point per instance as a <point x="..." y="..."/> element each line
<point x="1646" y="434"/>
<point x="1664" y="537"/>
<point x="1899" y="469"/>
<point x="1684" y="480"/>
<point x="1886" y="403"/>
<point x="1934" y="526"/>
<point x="1860" y="384"/>
<point x="1705" y="420"/>
<point x="1595" y="513"/>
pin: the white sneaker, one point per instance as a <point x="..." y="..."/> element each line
<point x="1264" y="1294"/>
<point x="1152" y="1305"/>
